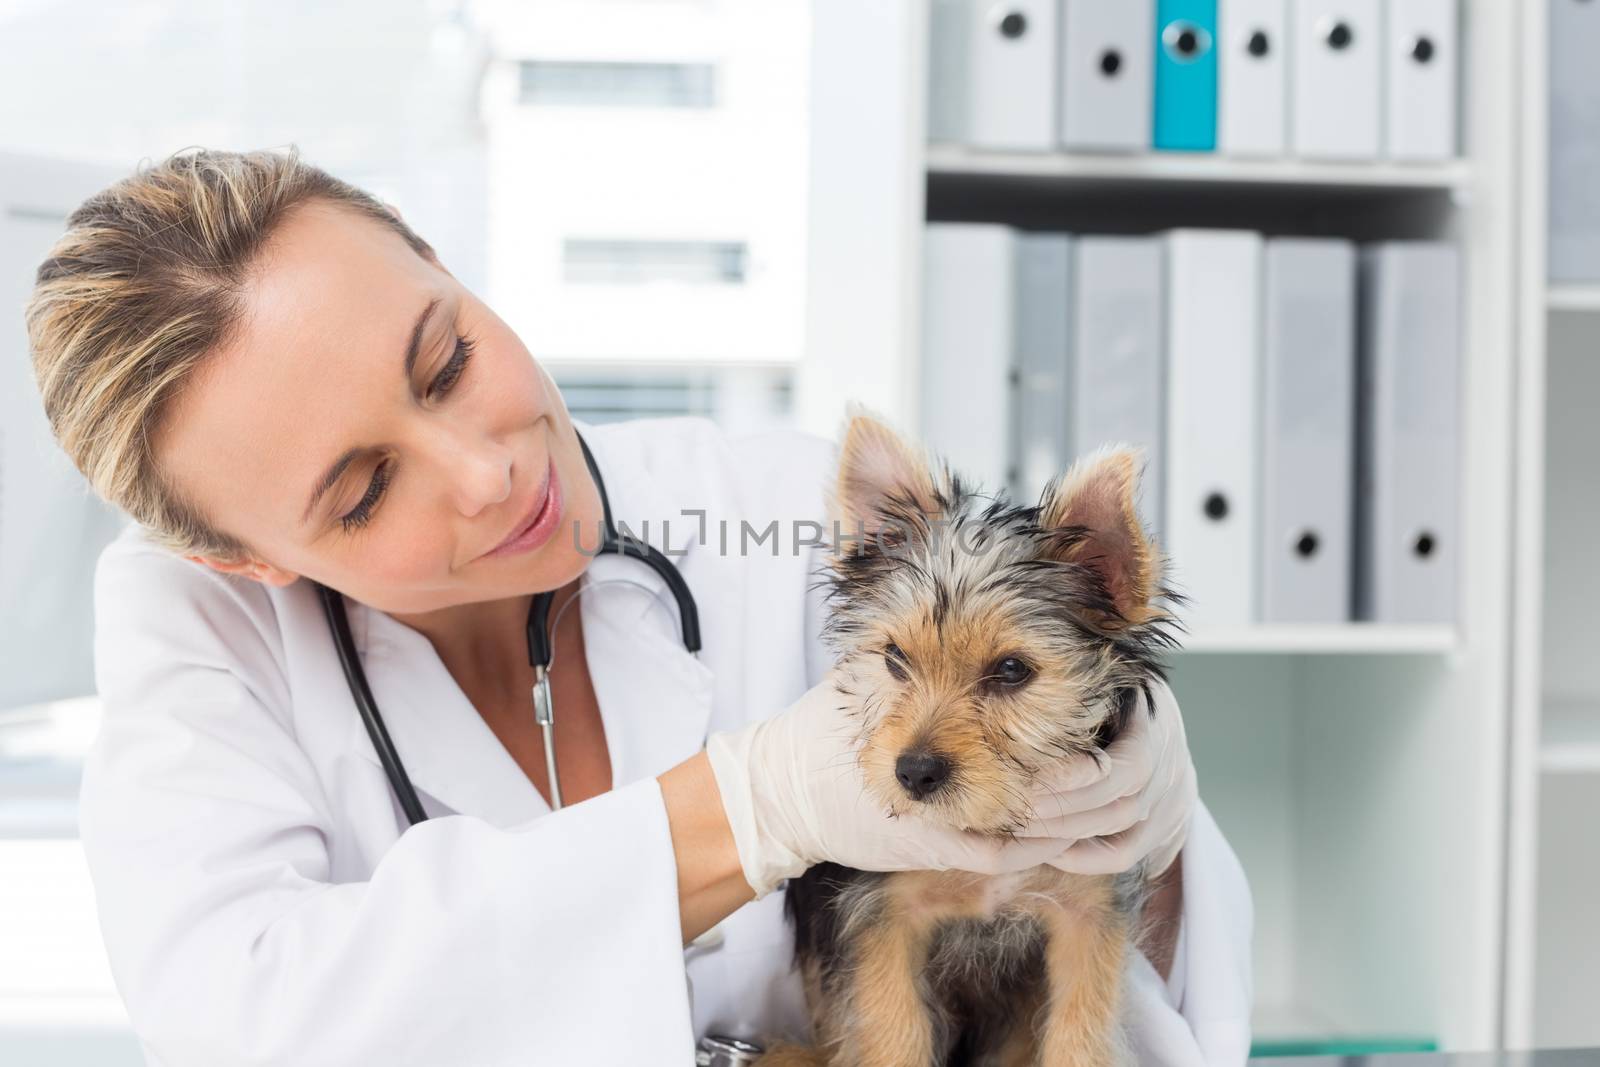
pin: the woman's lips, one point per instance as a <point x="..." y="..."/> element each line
<point x="539" y="526"/>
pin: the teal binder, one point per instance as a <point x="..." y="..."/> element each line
<point x="1186" y="75"/>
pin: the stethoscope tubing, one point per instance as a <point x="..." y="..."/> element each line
<point x="367" y="706"/>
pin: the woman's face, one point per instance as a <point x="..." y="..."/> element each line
<point x="376" y="427"/>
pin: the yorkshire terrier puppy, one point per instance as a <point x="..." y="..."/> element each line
<point x="983" y="643"/>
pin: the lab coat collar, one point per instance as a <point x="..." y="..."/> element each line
<point x="655" y="697"/>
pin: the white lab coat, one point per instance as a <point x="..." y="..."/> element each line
<point x="263" y="900"/>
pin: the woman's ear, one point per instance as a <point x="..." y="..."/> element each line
<point x="265" y="573"/>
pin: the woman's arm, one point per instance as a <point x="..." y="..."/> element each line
<point x="711" y="884"/>
<point x="245" y="923"/>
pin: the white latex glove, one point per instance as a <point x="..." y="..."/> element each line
<point x="794" y="796"/>
<point x="1134" y="803"/>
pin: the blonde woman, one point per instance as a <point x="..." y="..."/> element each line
<point x="282" y="385"/>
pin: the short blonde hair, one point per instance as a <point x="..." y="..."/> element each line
<point x="145" y="283"/>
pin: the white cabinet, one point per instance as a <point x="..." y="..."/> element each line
<point x="1553" y="926"/>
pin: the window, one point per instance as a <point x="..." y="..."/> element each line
<point x="738" y="397"/>
<point x="614" y="262"/>
<point x="592" y="84"/>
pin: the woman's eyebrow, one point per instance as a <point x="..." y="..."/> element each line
<point x="415" y="345"/>
<point x="337" y="467"/>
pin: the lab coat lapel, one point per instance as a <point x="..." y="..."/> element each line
<point x="655" y="698"/>
<point x="448" y="751"/>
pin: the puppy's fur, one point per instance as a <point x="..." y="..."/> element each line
<point x="982" y="643"/>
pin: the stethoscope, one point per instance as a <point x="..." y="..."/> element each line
<point x="540" y="651"/>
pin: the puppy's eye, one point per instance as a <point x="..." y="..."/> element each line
<point x="895" y="660"/>
<point x="1010" y="671"/>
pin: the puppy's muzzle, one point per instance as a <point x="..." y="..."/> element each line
<point x="921" y="774"/>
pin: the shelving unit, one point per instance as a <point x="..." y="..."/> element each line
<point x="1569" y="740"/>
<point x="1583" y="298"/>
<point x="1358" y="771"/>
<point x="1325" y="639"/>
<point x="1553" y="854"/>
<point x="1069" y="168"/>
<point x="1307" y="1033"/>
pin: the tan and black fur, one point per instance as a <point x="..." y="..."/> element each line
<point x="982" y="643"/>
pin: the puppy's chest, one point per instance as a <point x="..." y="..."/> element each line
<point x="933" y="897"/>
<point x="979" y="928"/>
<point x="960" y="924"/>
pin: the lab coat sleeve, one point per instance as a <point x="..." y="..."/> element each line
<point x="207" y="832"/>
<point x="810" y="466"/>
<point x="820" y="655"/>
<point x="1217" y="984"/>
<point x="785" y="474"/>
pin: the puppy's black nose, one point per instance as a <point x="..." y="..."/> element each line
<point x="920" y="773"/>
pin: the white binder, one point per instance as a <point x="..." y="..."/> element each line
<point x="1011" y="73"/>
<point x="1337" y="78"/>
<point x="1574" y="214"/>
<point x="1041" y="312"/>
<point x="967" y="345"/>
<point x="1253" y="72"/>
<point x="1308" y="366"/>
<point x="1408" y="433"/>
<point x="1421" y="47"/>
<point x="1106" y="74"/>
<point x="1213" y="323"/>
<point x="1118" y="390"/>
<point x="949" y="71"/>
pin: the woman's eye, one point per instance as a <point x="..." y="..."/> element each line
<point x="896" y="661"/>
<point x="361" y="514"/>
<point x="1009" y="671"/>
<point x="448" y="375"/>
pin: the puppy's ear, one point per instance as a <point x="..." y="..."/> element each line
<point x="881" y="478"/>
<point x="1094" y="508"/>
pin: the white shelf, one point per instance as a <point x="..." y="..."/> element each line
<point x="1178" y="167"/>
<point x="1275" y="1025"/>
<point x="1573" y="297"/>
<point x="1318" y="638"/>
<point x="1569" y="740"/>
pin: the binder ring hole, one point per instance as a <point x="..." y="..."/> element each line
<point x="1216" y="506"/>
<point x="1259" y="44"/>
<point x="1110" y="62"/>
<point x="1184" y="41"/>
<point x="1013" y="24"/>
<point x="1424" y="545"/>
<point x="1422" y="50"/>
<point x="1339" y="36"/>
<point x="1306" y="545"/>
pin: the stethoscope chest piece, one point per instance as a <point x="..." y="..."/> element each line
<point x="544" y="713"/>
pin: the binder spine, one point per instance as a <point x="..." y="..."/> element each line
<point x="1186" y="75"/>
<point x="1307" y="430"/>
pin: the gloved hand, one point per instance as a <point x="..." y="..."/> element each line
<point x="794" y="796"/>
<point x="1135" y="803"/>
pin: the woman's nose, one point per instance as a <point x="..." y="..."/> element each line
<point x="476" y="469"/>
